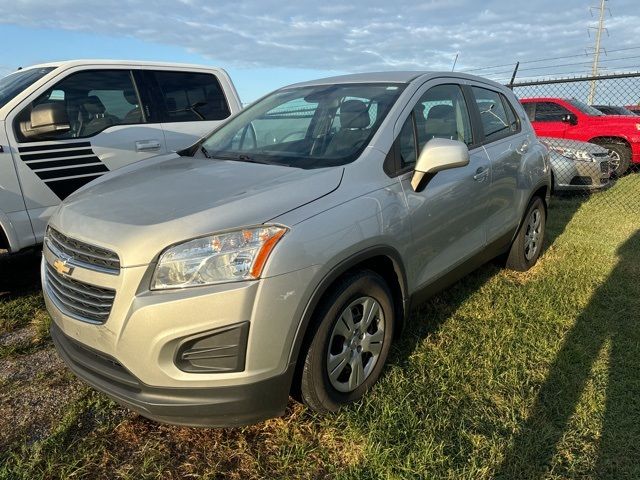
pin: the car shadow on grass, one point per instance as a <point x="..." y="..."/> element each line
<point x="19" y="274"/>
<point x="611" y="320"/>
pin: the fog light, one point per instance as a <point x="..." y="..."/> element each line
<point x="222" y="350"/>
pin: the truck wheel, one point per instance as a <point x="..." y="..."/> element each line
<point x="527" y="246"/>
<point x="350" y="344"/>
<point x="620" y="157"/>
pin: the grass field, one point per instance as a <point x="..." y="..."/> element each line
<point x="504" y="375"/>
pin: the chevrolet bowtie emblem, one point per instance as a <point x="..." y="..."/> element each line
<point x="62" y="267"/>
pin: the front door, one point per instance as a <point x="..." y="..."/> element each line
<point x="104" y="129"/>
<point x="448" y="215"/>
<point x="547" y="120"/>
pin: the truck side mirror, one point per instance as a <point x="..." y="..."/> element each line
<point x="47" y="120"/>
<point x="437" y="155"/>
<point x="570" y="118"/>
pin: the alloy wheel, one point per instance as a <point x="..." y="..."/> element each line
<point x="532" y="236"/>
<point x="355" y="344"/>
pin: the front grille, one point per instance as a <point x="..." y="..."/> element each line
<point x="76" y="299"/>
<point x="83" y="254"/>
<point x="600" y="154"/>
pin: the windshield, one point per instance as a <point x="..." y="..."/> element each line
<point x="13" y="84"/>
<point x="584" y="108"/>
<point x="306" y="127"/>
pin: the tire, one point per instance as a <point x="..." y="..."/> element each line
<point x="526" y="248"/>
<point x="622" y="153"/>
<point x="338" y="318"/>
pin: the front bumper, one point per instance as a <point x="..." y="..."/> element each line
<point x="134" y="356"/>
<point x="581" y="175"/>
<point x="220" y="406"/>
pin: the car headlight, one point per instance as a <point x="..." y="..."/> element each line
<point x="574" y="153"/>
<point x="224" y="257"/>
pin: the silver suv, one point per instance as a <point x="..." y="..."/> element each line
<point x="281" y="254"/>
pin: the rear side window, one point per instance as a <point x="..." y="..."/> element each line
<point x="496" y="114"/>
<point x="550" y="112"/>
<point x="191" y="97"/>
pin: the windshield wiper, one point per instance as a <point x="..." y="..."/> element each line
<point x="243" y="157"/>
<point x="204" y="151"/>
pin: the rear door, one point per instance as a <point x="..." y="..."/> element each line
<point x="190" y="104"/>
<point x="505" y="144"/>
<point x="107" y="130"/>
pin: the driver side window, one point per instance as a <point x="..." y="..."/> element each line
<point x="550" y="112"/>
<point x="440" y="113"/>
<point x="92" y="101"/>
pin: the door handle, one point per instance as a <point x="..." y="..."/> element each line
<point x="481" y="174"/>
<point x="147" y="145"/>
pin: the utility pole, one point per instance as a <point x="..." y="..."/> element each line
<point x="596" y="52"/>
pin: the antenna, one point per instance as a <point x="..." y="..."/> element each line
<point x="602" y="9"/>
<point x="455" y="60"/>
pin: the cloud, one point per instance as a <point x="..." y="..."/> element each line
<point x="362" y="35"/>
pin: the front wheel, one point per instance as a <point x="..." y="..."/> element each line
<point x="620" y="157"/>
<point x="527" y="246"/>
<point x="351" y="342"/>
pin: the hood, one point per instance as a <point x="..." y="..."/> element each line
<point x="575" y="144"/>
<point x="622" y="120"/>
<point x="139" y="210"/>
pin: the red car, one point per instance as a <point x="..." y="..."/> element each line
<point x="575" y="120"/>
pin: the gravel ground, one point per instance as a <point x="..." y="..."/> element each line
<point x="35" y="390"/>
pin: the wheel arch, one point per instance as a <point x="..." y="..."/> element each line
<point x="383" y="260"/>
<point x="611" y="139"/>
<point x="7" y="235"/>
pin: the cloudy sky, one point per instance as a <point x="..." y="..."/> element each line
<point x="267" y="43"/>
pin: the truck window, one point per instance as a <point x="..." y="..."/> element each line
<point x="191" y="97"/>
<point x="94" y="100"/>
<point x="550" y="112"/>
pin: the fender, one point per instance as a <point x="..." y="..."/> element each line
<point x="339" y="270"/>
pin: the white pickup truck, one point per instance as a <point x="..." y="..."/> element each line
<point x="64" y="124"/>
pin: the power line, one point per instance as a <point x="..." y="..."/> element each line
<point x="548" y="59"/>
<point x="574" y="64"/>
<point x="586" y="73"/>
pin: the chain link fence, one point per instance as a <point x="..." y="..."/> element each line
<point x="592" y="128"/>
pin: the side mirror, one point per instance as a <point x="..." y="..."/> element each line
<point x="437" y="155"/>
<point x="47" y="119"/>
<point x="570" y="118"/>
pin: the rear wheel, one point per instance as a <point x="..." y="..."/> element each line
<point x="350" y="346"/>
<point x="527" y="246"/>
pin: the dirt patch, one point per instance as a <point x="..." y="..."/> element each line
<point x="36" y="390"/>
